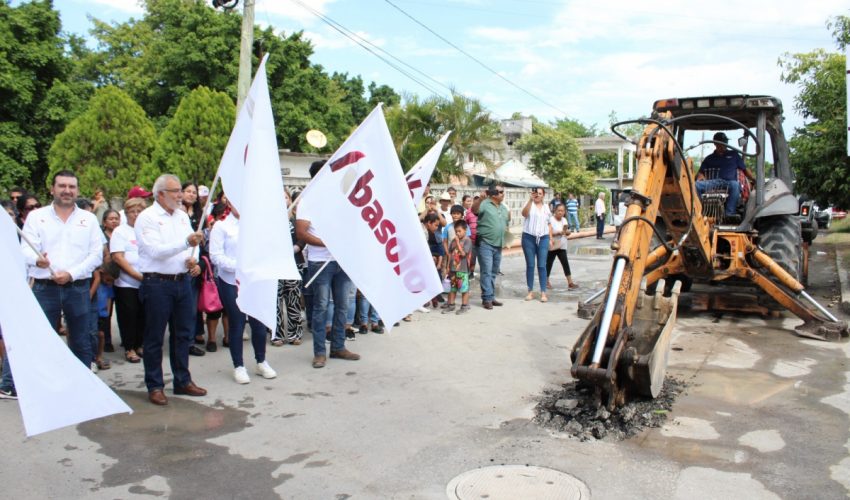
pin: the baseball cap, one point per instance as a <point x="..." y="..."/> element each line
<point x="721" y="137"/>
<point x="203" y="191"/>
<point x="138" y="192"/>
<point x="445" y="196"/>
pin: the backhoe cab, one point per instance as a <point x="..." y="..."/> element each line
<point x="672" y="239"/>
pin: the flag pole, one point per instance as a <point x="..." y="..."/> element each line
<point x="34" y="249"/>
<point x="317" y="273"/>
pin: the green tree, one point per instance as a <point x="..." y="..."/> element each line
<point x="557" y="158"/>
<point x="384" y="94"/>
<point x="475" y="135"/>
<point x="107" y="145"/>
<point x="414" y="129"/>
<point x="179" y="45"/>
<point x="192" y="143"/>
<point x="38" y="95"/>
<point x="175" y="47"/>
<point x="818" y="148"/>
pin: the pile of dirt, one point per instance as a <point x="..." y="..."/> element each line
<point x="572" y="410"/>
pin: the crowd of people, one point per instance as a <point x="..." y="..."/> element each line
<point x="165" y="265"/>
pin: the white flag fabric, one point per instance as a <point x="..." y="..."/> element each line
<point x="250" y="174"/>
<point x="420" y="175"/>
<point x="54" y="389"/>
<point x="360" y="206"/>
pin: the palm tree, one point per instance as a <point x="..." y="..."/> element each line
<point x="474" y="132"/>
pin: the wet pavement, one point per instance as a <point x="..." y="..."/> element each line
<point x="764" y="413"/>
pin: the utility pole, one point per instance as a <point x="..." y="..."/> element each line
<point x="244" y="82"/>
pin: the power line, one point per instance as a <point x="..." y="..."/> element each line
<point x="362" y="42"/>
<point x="483" y="65"/>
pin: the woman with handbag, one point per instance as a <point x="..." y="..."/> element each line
<point x="224" y="241"/>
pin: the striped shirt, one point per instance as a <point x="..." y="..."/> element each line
<point x="537" y="222"/>
<point x="572" y="206"/>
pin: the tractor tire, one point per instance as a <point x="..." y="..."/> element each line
<point x="780" y="237"/>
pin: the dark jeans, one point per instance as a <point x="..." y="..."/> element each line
<point x="236" y="318"/>
<point x="733" y="188"/>
<point x="72" y="300"/>
<point x="167" y="302"/>
<point x="131" y="317"/>
<point x="490" y="261"/>
<point x="331" y="282"/>
<point x="600" y="225"/>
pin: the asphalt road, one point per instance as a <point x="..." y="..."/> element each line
<point x="765" y="414"/>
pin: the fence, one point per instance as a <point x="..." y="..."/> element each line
<point x="515" y="199"/>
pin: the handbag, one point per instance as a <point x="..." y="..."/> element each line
<point x="208" y="299"/>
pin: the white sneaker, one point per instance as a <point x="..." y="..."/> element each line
<point x="265" y="371"/>
<point x="240" y="375"/>
<point x="423" y="309"/>
<point x="94" y="368"/>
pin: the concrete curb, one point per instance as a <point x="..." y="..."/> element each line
<point x="842" y="261"/>
<point x="516" y="244"/>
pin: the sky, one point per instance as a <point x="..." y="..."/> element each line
<point x="578" y="59"/>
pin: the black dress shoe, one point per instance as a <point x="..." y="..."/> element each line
<point x="488" y="304"/>
<point x="196" y="351"/>
<point x="497" y="303"/>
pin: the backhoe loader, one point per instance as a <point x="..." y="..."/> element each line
<point x="672" y="241"/>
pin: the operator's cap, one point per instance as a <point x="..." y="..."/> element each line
<point x="721" y="137"/>
<point x="203" y="191"/>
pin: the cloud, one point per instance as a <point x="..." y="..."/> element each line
<point x="504" y="35"/>
<point x="330" y="39"/>
<point x="292" y="10"/>
<point x="128" y="6"/>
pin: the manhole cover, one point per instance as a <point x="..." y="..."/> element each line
<point x="516" y="481"/>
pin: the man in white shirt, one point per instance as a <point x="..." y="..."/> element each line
<point x="71" y="245"/>
<point x="599" y="209"/>
<point x="329" y="282"/>
<point x="166" y="244"/>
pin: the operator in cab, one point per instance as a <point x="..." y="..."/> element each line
<point x="720" y="170"/>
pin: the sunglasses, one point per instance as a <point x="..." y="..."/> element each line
<point x="32" y="207"/>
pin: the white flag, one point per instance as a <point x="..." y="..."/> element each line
<point x="250" y="174"/>
<point x="54" y="388"/>
<point x="420" y="175"/>
<point x="360" y="206"/>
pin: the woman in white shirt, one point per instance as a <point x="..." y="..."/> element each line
<point x="125" y="253"/>
<point x="224" y="241"/>
<point x="535" y="241"/>
<point x="559" y="229"/>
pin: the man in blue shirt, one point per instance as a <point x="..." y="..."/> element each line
<point x="720" y="170"/>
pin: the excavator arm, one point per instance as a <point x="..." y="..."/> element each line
<point x="623" y="350"/>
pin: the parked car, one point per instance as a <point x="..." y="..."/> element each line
<point x="823" y="217"/>
<point x="838" y="213"/>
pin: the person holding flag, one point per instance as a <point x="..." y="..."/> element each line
<point x="224" y="240"/>
<point x="358" y="210"/>
<point x="250" y="173"/>
<point x="329" y="280"/>
<point x="166" y="244"/>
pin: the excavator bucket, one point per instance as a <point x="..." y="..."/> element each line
<point x="648" y="348"/>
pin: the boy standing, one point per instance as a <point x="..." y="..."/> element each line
<point x="460" y="252"/>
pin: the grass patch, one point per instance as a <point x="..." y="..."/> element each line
<point x="840" y="226"/>
<point x="839" y="232"/>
